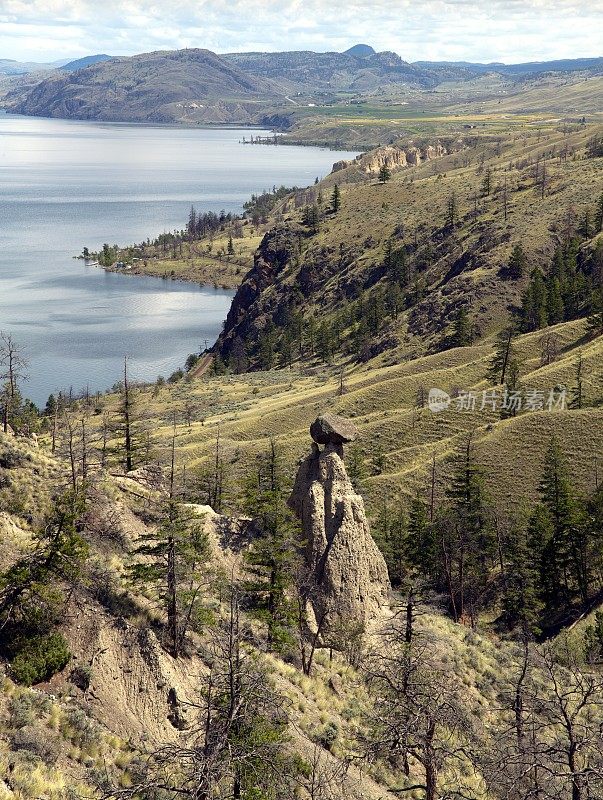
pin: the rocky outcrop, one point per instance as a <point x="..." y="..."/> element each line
<point x="331" y="429"/>
<point x="396" y="157"/>
<point x="346" y="584"/>
<point x="253" y="308"/>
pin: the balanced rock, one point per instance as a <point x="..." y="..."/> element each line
<point x="332" y="429"/>
<point x="346" y="585"/>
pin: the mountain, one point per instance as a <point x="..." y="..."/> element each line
<point x="360" y="51"/>
<point x="165" y="86"/>
<point x="529" y="68"/>
<point x="8" y="66"/>
<point x="86" y="61"/>
<point x="277" y="89"/>
<point x="310" y="73"/>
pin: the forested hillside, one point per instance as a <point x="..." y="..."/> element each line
<point x="354" y="550"/>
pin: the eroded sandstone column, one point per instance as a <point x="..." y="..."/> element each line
<point x="346" y="582"/>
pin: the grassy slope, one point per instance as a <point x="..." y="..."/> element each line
<point x="249" y="409"/>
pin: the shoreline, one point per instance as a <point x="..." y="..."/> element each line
<point x="226" y="283"/>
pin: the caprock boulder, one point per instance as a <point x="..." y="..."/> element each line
<point x="346" y="584"/>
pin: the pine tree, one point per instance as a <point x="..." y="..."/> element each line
<point x="272" y="559"/>
<point x="336" y="199"/>
<point x="522" y="605"/>
<point x="474" y="545"/>
<point x="599" y="215"/>
<point x="487" y="183"/>
<point x="565" y="553"/>
<point x="230" y="250"/>
<point x="384" y="173"/>
<point x="451" y="210"/>
<point x="503" y="357"/>
<point x="311" y="218"/>
<point x="461" y="336"/>
<point x="595" y="319"/>
<point x="517" y="263"/>
<point x="585" y="228"/>
<point x="555" y="309"/>
<point x="420" y="538"/>
<point x="534" y="304"/>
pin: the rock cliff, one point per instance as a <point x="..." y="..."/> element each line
<point x="397" y="156"/>
<point x="346" y="582"/>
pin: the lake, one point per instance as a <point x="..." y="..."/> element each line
<point x="69" y="184"/>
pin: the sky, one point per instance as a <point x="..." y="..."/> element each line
<point x="452" y="30"/>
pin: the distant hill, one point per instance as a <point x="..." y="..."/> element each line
<point x="309" y="73"/>
<point x="86" y="61"/>
<point x="360" y="51"/>
<point x="166" y="86"/>
<point x="9" y="66"/>
<point x="199" y="86"/>
<point x="528" y="68"/>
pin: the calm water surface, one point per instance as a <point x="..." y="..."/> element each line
<point x="65" y="185"/>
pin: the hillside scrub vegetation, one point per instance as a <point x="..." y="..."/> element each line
<point x="415" y="360"/>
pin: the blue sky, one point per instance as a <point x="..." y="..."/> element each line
<point x="472" y="30"/>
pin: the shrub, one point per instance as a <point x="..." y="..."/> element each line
<point x="40" y="658"/>
<point x="81" y="675"/>
<point x="81" y="730"/>
<point x="328" y="736"/>
<point x="38" y="743"/>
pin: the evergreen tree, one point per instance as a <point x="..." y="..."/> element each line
<point x="272" y="559"/>
<point x="586" y="229"/>
<point x="487" y="183"/>
<point x="595" y="319"/>
<point x="564" y="551"/>
<point x="35" y="592"/>
<point x="336" y="199"/>
<point x="390" y="533"/>
<point x="504" y="356"/>
<point x="324" y="342"/>
<point x="230" y="250"/>
<point x="267" y="347"/>
<point x="534" y="303"/>
<point x="599" y="215"/>
<point x="13" y="368"/>
<point x="472" y="543"/>
<point x="512" y="387"/>
<point x="311" y="218"/>
<point x="555" y="309"/>
<point x="420" y="538"/>
<point x="451" y="210"/>
<point x="518" y="263"/>
<point x="384" y="173"/>
<point x="174" y="558"/>
<point x="462" y="329"/>
<point x="522" y="605"/>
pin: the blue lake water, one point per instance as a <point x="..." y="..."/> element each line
<point x="69" y="184"/>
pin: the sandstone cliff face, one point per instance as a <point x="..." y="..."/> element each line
<point x="347" y="581"/>
<point x="397" y="157"/>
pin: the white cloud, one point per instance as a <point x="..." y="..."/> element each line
<point x="480" y="30"/>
